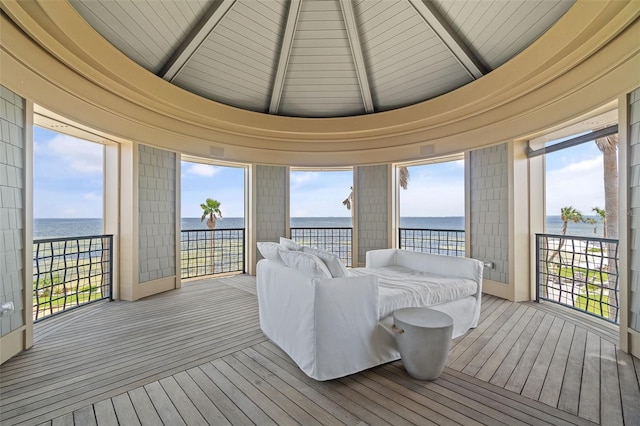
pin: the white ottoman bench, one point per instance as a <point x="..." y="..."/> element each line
<point x="424" y="338"/>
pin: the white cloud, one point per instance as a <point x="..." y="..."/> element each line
<point x="79" y="155"/>
<point x="579" y="184"/>
<point x="299" y="179"/>
<point x="200" y="169"/>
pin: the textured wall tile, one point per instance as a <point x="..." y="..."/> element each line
<point x="157" y="213"/>
<point x="11" y="206"/>
<point x="373" y="202"/>
<point x="271" y="197"/>
<point x="634" y="203"/>
<point x="490" y="209"/>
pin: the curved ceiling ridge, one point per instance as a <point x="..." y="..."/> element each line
<point x="321" y="58"/>
<point x="553" y="79"/>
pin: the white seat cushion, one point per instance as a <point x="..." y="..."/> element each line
<point x="401" y="287"/>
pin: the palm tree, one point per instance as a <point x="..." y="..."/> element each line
<point x="570" y="214"/>
<point x="567" y="214"/>
<point x="603" y="218"/>
<point x="593" y="222"/>
<point x="609" y="146"/>
<point x="211" y="211"/>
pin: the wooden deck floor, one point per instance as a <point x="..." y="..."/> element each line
<point x="197" y="356"/>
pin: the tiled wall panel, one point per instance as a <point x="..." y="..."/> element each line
<point x="271" y="203"/>
<point x="12" y="195"/>
<point x="157" y="208"/>
<point x="634" y="207"/>
<point x="490" y="210"/>
<point x="373" y="209"/>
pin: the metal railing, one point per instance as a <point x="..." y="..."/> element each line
<point x="338" y="241"/>
<point x="579" y="272"/>
<point x="70" y="272"/>
<point x="449" y="242"/>
<point x="211" y="251"/>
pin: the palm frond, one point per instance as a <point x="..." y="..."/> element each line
<point x="607" y="143"/>
<point x="347" y="202"/>
<point x="404" y="177"/>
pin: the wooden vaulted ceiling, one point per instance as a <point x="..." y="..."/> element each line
<point x="321" y="58"/>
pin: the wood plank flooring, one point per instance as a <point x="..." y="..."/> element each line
<point x="197" y="356"/>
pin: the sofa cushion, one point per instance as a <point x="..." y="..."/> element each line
<point x="401" y="287"/>
<point x="269" y="251"/>
<point x="290" y="244"/>
<point x="333" y="262"/>
<point x="305" y="263"/>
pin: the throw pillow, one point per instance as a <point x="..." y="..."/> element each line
<point x="269" y="251"/>
<point x="305" y="263"/>
<point x="290" y="244"/>
<point x="333" y="262"/>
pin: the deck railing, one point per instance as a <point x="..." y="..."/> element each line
<point x="448" y="242"/>
<point x="334" y="240"/>
<point x="209" y="252"/>
<point x="579" y="272"/>
<point x="70" y="272"/>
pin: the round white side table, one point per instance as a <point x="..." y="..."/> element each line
<point x="424" y="338"/>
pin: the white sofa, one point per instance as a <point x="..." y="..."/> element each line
<point x="333" y="327"/>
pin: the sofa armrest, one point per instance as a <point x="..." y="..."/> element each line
<point x="380" y="258"/>
<point x="327" y="326"/>
<point x="438" y="264"/>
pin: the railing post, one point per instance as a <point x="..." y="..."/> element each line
<point x="110" y="239"/>
<point x="538" y="277"/>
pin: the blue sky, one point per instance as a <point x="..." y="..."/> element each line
<point x="67" y="181"/>
<point x="320" y="194"/>
<point x="434" y="190"/>
<point x="202" y="181"/>
<point x="68" y="184"/>
<point x="575" y="177"/>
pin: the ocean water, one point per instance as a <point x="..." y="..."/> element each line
<point x="51" y="228"/>
<point x="55" y="228"/>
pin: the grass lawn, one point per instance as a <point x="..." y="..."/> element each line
<point x="593" y="277"/>
<point x="594" y="307"/>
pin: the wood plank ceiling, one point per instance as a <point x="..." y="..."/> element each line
<point x="321" y="58"/>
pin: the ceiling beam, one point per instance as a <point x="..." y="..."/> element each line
<point x="450" y="38"/>
<point x="194" y="40"/>
<point x="356" y="51"/>
<point x="285" y="53"/>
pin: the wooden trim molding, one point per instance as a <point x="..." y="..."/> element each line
<point x="51" y="56"/>
<point x="160" y="285"/>
<point x="498" y="289"/>
<point x="15" y="342"/>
